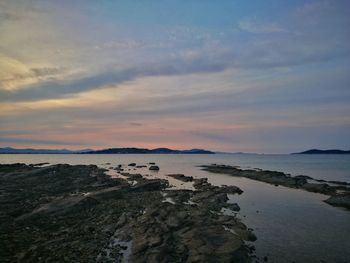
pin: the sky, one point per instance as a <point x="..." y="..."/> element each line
<point x="240" y="76"/>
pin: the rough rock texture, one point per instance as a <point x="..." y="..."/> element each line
<point x="340" y="200"/>
<point x="65" y="213"/>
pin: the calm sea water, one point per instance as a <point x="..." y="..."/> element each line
<point x="291" y="225"/>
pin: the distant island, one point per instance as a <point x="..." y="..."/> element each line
<point x="317" y="151"/>
<point x="148" y="151"/>
<point x="9" y="150"/>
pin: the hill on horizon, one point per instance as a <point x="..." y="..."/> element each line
<point x="317" y="151"/>
<point x="128" y="150"/>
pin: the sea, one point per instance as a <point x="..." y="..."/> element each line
<point x="291" y="225"/>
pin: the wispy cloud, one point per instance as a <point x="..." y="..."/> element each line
<point x="7" y="16"/>
<point x="253" y="25"/>
<point x="15" y="140"/>
<point x="260" y="57"/>
<point x="15" y="75"/>
<point x="136" y="124"/>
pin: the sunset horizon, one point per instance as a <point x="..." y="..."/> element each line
<point x="266" y="77"/>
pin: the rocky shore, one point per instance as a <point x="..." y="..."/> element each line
<point x="65" y="213"/>
<point x="339" y="192"/>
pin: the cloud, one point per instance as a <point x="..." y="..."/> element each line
<point x="37" y="141"/>
<point x="302" y="44"/>
<point x="53" y="89"/>
<point x="7" y="16"/>
<point x="47" y="71"/>
<point x="15" y="74"/>
<point x="266" y="55"/>
<point x="253" y="25"/>
<point x="135" y="124"/>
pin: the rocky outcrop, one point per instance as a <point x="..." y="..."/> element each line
<point x="65" y="213"/>
<point x="342" y="200"/>
<point x="278" y="178"/>
<point x="319" y="188"/>
<point x="181" y="177"/>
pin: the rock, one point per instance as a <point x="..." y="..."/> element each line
<point x="122" y="220"/>
<point x="200" y="196"/>
<point x="136" y="177"/>
<point x="233" y="206"/>
<point x="303" y="177"/>
<point x="139" y="245"/>
<point x="231" y="189"/>
<point x="83" y="215"/>
<point x="339" y="182"/>
<point x="342" y="200"/>
<point x="87" y="203"/>
<point x="200" y="183"/>
<point x="39" y="164"/>
<point x="318" y="188"/>
<point x="251" y="236"/>
<point x="150" y="185"/>
<point x="154" y="168"/>
<point x="132" y="164"/>
<point x="219" y="198"/>
<point x="181" y="177"/>
<point x="277" y="178"/>
<point x="110" y="192"/>
<point x="173" y="222"/>
<point x="154" y="240"/>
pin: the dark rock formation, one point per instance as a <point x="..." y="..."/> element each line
<point x="342" y="200"/>
<point x="64" y="213"/>
<point x="181" y="177"/>
<point x="316" y="151"/>
<point x="279" y="178"/>
<point x="154" y="168"/>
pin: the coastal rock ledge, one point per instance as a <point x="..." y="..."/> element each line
<point x="65" y="213"/>
<point x="338" y="191"/>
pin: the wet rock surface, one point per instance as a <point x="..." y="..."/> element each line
<point x="339" y="191"/>
<point x="64" y="213"/>
<point x="154" y="168"/>
<point x="342" y="200"/>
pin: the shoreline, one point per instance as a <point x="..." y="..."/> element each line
<point x="69" y="212"/>
<point x="338" y="191"/>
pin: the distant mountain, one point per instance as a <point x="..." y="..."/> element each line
<point x="238" y="153"/>
<point x="198" y="151"/>
<point x="9" y="150"/>
<point x="316" y="151"/>
<point x="148" y="151"/>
